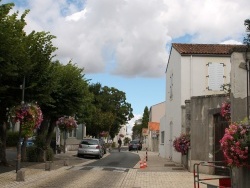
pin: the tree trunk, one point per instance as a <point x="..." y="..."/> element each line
<point x="3" y="138"/>
<point x="23" y="150"/>
<point x="41" y="139"/>
<point x="51" y="129"/>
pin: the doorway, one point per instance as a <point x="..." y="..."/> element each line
<point x="220" y="124"/>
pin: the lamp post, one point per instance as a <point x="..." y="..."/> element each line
<point x="20" y="132"/>
<point x="247" y="42"/>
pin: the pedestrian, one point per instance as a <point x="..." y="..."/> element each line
<point x="119" y="144"/>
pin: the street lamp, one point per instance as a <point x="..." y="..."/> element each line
<point x="20" y="131"/>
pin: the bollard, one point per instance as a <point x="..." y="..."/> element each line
<point x="66" y="162"/>
<point x="146" y="154"/>
<point x="20" y="175"/>
<point x="48" y="165"/>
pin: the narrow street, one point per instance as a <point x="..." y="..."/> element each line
<point x="114" y="170"/>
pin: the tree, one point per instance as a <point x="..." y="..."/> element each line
<point x="145" y="118"/>
<point x="70" y="98"/>
<point x="110" y="110"/>
<point x="136" y="131"/>
<point x="14" y="64"/>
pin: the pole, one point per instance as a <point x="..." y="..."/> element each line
<point x="18" y="165"/>
<point x="64" y="141"/>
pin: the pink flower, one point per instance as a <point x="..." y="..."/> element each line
<point x="233" y="145"/>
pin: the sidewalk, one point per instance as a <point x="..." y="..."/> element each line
<point x="159" y="173"/>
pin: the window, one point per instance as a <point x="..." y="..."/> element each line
<point x="162" y="137"/>
<point x="171" y="86"/>
<point x="215" y="76"/>
<point x="72" y="134"/>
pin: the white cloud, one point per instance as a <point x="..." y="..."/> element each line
<point x="132" y="34"/>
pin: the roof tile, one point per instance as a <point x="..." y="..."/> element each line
<point x="222" y="49"/>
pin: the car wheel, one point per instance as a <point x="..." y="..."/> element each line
<point x="78" y="155"/>
<point x="99" y="156"/>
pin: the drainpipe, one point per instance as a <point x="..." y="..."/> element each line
<point x="191" y="76"/>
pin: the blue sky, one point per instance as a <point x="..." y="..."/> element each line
<point x="125" y="44"/>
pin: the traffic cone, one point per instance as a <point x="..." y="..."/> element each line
<point x="145" y="163"/>
<point x="141" y="164"/>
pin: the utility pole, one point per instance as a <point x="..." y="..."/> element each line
<point x="18" y="165"/>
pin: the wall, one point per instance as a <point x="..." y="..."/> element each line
<point x="202" y="109"/>
<point x="173" y="110"/>
<point x="162" y="146"/>
<point x="241" y="176"/>
<point x="156" y="112"/>
<point x="238" y="88"/>
<point x="194" y="75"/>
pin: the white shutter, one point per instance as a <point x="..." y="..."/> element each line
<point x="215" y="76"/>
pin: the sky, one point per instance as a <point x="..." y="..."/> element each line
<point x="126" y="43"/>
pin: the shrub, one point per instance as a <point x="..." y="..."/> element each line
<point x="32" y="154"/>
<point x="12" y="139"/>
<point x="113" y="145"/>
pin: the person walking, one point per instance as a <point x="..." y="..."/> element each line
<point x="119" y="144"/>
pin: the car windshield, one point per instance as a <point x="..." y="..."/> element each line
<point x="90" y="142"/>
<point x="133" y="142"/>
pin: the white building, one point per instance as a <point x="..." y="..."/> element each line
<point x="192" y="70"/>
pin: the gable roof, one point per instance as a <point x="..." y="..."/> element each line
<point x="153" y="126"/>
<point x="219" y="49"/>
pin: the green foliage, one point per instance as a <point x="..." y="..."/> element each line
<point x="126" y="140"/>
<point x="110" y="110"/>
<point x="32" y="154"/>
<point x="12" y="139"/>
<point x="137" y="128"/>
<point x="113" y="145"/>
<point x="145" y="118"/>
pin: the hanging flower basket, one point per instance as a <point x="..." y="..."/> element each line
<point x="29" y="116"/>
<point x="66" y="123"/>
<point x="121" y="135"/>
<point x="182" y="143"/>
<point x="234" y="145"/>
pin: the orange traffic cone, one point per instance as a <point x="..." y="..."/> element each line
<point x="145" y="163"/>
<point x="141" y="164"/>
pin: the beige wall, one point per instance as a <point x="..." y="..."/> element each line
<point x="156" y="112"/>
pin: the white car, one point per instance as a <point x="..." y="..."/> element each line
<point x="90" y="146"/>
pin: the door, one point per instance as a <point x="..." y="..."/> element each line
<point x="220" y="124"/>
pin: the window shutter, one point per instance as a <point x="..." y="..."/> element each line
<point x="215" y="76"/>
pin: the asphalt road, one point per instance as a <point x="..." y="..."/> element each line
<point x="123" y="159"/>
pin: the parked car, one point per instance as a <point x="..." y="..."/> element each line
<point x="90" y="146"/>
<point x="29" y="142"/>
<point x="103" y="146"/>
<point x="134" y="145"/>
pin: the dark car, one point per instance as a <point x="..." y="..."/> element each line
<point x="134" y="145"/>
